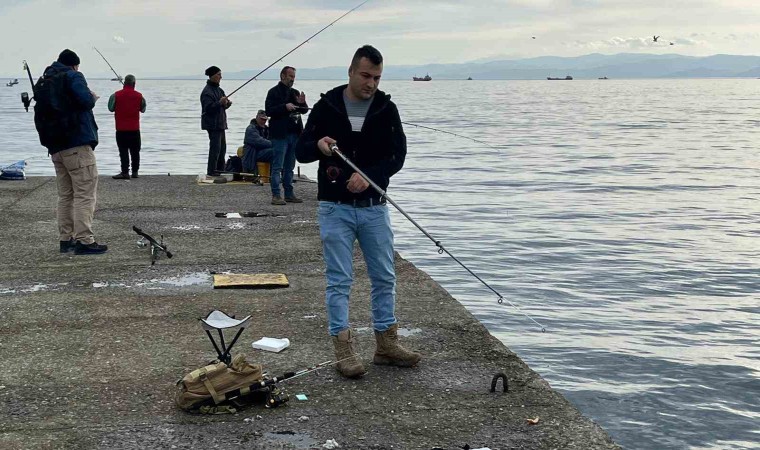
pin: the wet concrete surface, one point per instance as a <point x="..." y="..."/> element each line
<point x="92" y="345"/>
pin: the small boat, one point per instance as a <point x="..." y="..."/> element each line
<point x="566" y="78"/>
<point x="115" y="79"/>
<point x="13" y="82"/>
<point x="602" y="78"/>
<point x="425" y="78"/>
<point x="469" y="78"/>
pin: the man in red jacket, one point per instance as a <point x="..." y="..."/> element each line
<point x="127" y="104"/>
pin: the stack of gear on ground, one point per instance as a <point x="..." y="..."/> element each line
<point x="217" y="388"/>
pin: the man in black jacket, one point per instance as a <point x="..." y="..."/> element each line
<point x="364" y="123"/>
<point x="214" y="105"/>
<point x="284" y="106"/>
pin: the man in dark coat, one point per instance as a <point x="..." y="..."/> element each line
<point x="73" y="155"/>
<point x="365" y="124"/>
<point x="214" y="105"/>
<point x="284" y="106"/>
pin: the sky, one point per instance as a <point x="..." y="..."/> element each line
<point x="183" y="37"/>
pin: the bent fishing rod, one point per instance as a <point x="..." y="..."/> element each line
<point x="297" y="47"/>
<point x="441" y="248"/>
<point x="121" y="80"/>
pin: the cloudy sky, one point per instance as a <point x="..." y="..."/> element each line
<point x="183" y="37"/>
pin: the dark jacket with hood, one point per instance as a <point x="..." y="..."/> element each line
<point x="379" y="150"/>
<point x="83" y="102"/>
<point x="255" y="141"/>
<point x="213" y="114"/>
<point x="281" y="121"/>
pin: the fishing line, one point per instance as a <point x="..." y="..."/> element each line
<point x="443" y="131"/>
<point x="121" y="80"/>
<point x="441" y="248"/>
<point x="453" y="134"/>
<point x="297" y="47"/>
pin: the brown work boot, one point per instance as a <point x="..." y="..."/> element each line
<point x="350" y="365"/>
<point x="276" y="200"/>
<point x="390" y="353"/>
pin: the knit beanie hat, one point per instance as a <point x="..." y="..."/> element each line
<point x="213" y="70"/>
<point x="68" y="58"/>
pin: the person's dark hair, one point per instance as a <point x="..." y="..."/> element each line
<point x="129" y="80"/>
<point x="369" y="52"/>
<point x="285" y="69"/>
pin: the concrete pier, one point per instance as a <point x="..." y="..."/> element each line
<point x="92" y="346"/>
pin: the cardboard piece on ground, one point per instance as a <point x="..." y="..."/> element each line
<point x="250" y="281"/>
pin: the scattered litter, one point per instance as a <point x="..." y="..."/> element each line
<point x="302" y="397"/>
<point x="313" y="316"/>
<point x="99" y="285"/>
<point x="271" y="344"/>
<point x="239" y="215"/>
<point x="533" y="421"/>
<point x="186" y="227"/>
<point x="331" y="443"/>
<point x="303" y="418"/>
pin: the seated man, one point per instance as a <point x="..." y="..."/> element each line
<point x="257" y="147"/>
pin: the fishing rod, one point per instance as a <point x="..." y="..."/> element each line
<point x="441" y="248"/>
<point x="449" y="132"/>
<point x="297" y="47"/>
<point x="24" y="95"/>
<point x="275" y="396"/>
<point x="121" y="80"/>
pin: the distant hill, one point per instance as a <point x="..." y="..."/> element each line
<point x="622" y="65"/>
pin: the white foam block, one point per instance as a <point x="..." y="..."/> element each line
<point x="271" y="344"/>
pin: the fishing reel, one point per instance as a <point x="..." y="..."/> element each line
<point x="276" y="397"/>
<point x="26" y="100"/>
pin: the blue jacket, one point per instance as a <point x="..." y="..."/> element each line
<point x="84" y="102"/>
<point x="255" y="141"/>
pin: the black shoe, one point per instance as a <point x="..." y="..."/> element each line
<point x="121" y="176"/>
<point x="89" y="249"/>
<point x="134" y="174"/>
<point x="293" y="199"/>
<point x="68" y="246"/>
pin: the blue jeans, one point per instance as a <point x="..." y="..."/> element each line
<point x="283" y="160"/>
<point x="339" y="227"/>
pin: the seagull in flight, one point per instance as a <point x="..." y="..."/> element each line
<point x="655" y="38"/>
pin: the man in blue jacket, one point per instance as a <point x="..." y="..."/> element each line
<point x="284" y="106"/>
<point x="365" y="124"/>
<point x="72" y="152"/>
<point x="256" y="145"/>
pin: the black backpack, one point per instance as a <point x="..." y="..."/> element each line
<point x="234" y="164"/>
<point x="55" y="115"/>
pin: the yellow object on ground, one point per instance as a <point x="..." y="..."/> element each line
<point x="250" y="281"/>
<point x="240" y="152"/>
